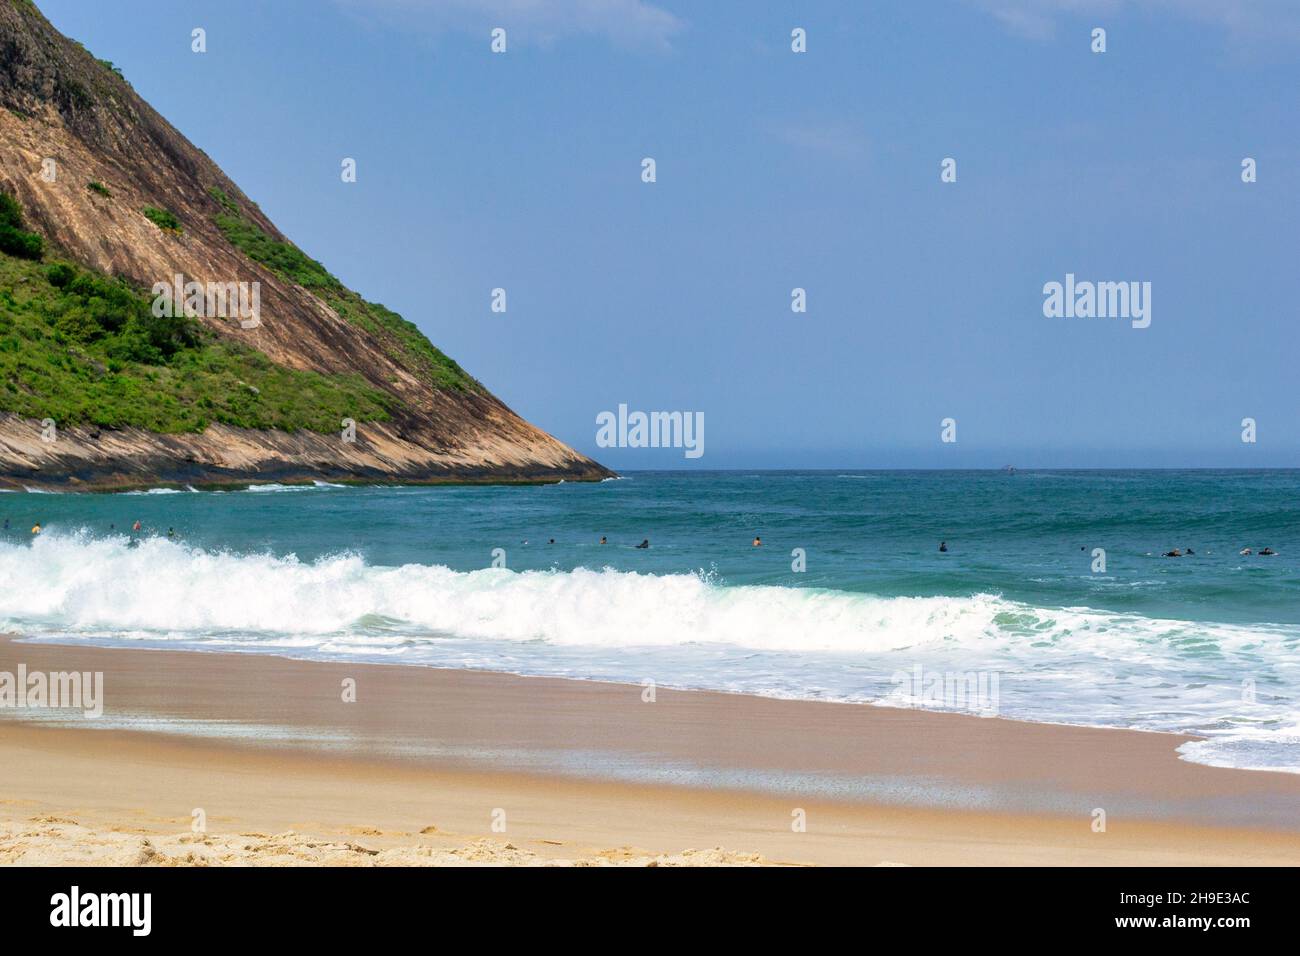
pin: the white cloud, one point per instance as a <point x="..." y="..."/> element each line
<point x="627" y="23"/>
<point x="1037" y="19"/>
<point x="1244" y="21"/>
<point x="835" y="139"/>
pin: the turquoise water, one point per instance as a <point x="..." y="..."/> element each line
<point x="1204" y="643"/>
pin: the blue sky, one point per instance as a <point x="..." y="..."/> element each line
<point x="779" y="170"/>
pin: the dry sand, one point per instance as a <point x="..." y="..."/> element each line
<point x="419" y="767"/>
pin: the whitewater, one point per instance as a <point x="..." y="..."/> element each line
<point x="1236" y="684"/>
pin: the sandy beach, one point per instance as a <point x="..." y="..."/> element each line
<point x="431" y="766"/>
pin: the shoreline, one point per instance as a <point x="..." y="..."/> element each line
<point x="280" y="654"/>
<point x="72" y="484"/>
<point x="582" y="770"/>
<point x="242" y="484"/>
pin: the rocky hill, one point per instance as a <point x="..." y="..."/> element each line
<point x="97" y="391"/>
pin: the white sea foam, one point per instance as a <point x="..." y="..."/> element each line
<point x="1068" y="665"/>
<point x="1250" y="748"/>
<point x="165" y="586"/>
<point x="274" y="486"/>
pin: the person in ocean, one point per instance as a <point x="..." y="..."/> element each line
<point x="644" y="544"/>
<point x="36" y="528"/>
<point x="1172" y="554"/>
<point x="943" y="547"/>
<point x="1245" y="551"/>
<point x="1266" y="552"/>
<point x="171" y="532"/>
<point x="136" y="526"/>
<point x="758" y="542"/>
<point x="552" y="541"/>
<point x="602" y="539"/>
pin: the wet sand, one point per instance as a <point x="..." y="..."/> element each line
<point x="427" y="766"/>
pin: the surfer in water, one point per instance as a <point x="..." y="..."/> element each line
<point x="602" y="539"/>
<point x="36" y="528"/>
<point x="943" y="547"/>
<point x="758" y="542"/>
<point x="644" y="544"/>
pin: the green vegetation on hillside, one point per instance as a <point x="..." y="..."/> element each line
<point x="14" y="239"/>
<point x="219" y="194"/>
<point x="84" y="348"/>
<point x="97" y="187"/>
<point x="282" y="258"/>
<point x="405" y="343"/>
<point x="70" y="93"/>
<point x="164" y="219"/>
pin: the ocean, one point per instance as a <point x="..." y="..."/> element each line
<point x="848" y="599"/>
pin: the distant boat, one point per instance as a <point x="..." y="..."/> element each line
<point x="1010" y="469"/>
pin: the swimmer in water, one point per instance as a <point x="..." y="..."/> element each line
<point x="136" y="526"/>
<point x="602" y="539"/>
<point x="36" y="528"/>
<point x="1172" y="554"/>
<point x="758" y="542"/>
<point x="1245" y="551"/>
<point x="171" y="532"/>
<point x="552" y="541"/>
<point x="1266" y="552"/>
<point x="644" y="544"/>
<point x="943" y="547"/>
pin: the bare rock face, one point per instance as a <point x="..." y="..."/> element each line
<point x="57" y="101"/>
